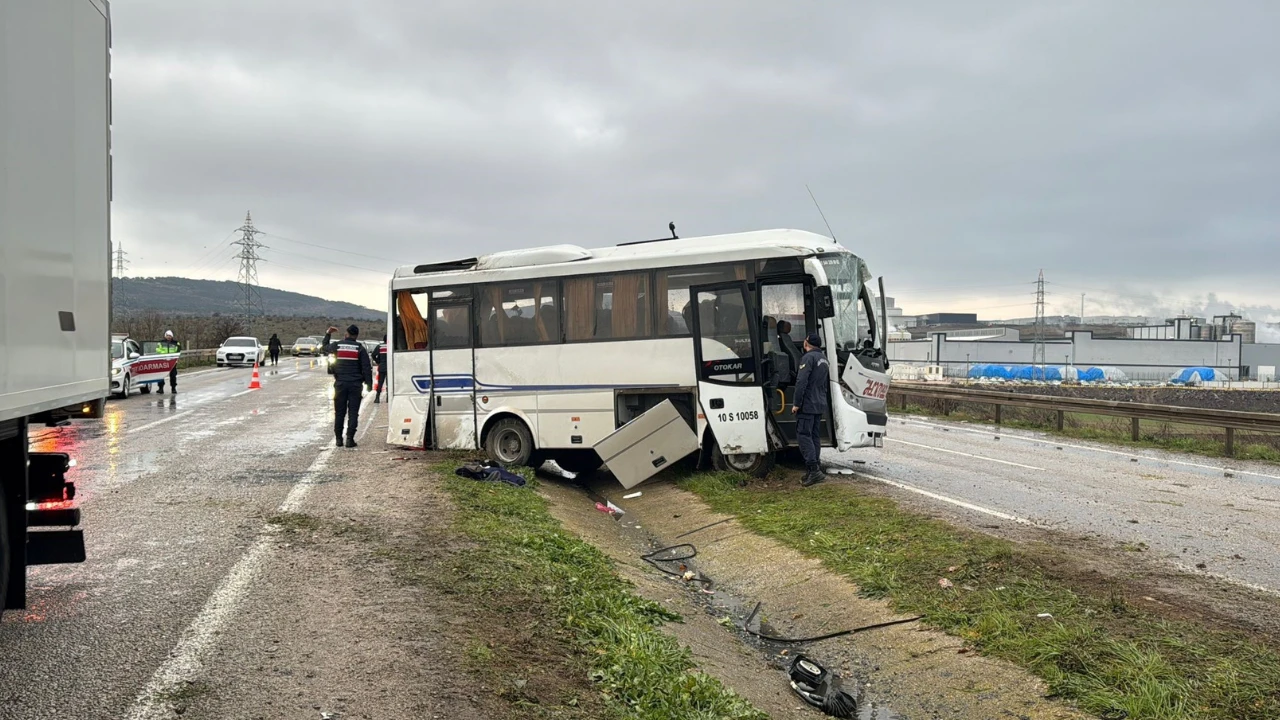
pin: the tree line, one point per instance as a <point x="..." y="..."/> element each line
<point x="202" y="332"/>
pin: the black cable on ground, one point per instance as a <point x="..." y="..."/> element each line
<point x="660" y="556"/>
<point x="704" y="527"/>
<point x="746" y="625"/>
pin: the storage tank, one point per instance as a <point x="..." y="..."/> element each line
<point x="1247" y="330"/>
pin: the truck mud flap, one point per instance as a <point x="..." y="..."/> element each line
<point x="55" y="547"/>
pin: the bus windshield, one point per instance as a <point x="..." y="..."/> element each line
<point x="847" y="276"/>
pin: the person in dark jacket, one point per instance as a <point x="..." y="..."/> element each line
<point x="380" y="357"/>
<point x="273" y="347"/>
<point x="811" y="403"/>
<point x="351" y="371"/>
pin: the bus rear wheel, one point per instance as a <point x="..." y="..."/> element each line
<point x="755" y="465"/>
<point x="509" y="443"/>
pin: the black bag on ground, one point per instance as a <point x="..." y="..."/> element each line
<point x="489" y="471"/>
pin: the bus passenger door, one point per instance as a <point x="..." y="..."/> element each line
<point x="727" y="356"/>
<point x="453" y="385"/>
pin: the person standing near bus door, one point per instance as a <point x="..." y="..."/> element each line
<point x="351" y="372"/>
<point x="380" y="357"/>
<point x="169" y="346"/>
<point x="811" y="403"/>
<point x="273" y="348"/>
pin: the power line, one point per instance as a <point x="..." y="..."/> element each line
<point x="333" y="249"/>
<point x="209" y="256"/>
<point x="334" y="262"/>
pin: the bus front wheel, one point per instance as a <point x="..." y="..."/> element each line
<point x="582" y="462"/>
<point x="755" y="465"/>
<point x="510" y="443"/>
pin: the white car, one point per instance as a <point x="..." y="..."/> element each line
<point x="239" y="351"/>
<point x="130" y="368"/>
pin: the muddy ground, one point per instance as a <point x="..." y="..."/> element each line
<point x="905" y="671"/>
<point x="363" y="618"/>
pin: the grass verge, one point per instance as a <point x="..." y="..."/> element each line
<point x="1094" y="648"/>
<point x="1190" y="439"/>
<point x="520" y="548"/>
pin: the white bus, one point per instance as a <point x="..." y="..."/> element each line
<point x="556" y="353"/>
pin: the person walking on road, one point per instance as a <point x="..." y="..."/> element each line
<point x="380" y="356"/>
<point x="273" y="348"/>
<point x="810" y="405"/>
<point x="351" y="371"/>
<point x="169" y="346"/>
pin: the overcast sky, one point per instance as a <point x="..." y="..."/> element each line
<point x="1131" y="149"/>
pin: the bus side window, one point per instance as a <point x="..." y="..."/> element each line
<point x="674" y="314"/>
<point x="411" y="324"/>
<point x="523" y="313"/>
<point x="606" y="307"/>
<point x="453" y="327"/>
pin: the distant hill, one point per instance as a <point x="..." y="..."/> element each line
<point x="186" y="296"/>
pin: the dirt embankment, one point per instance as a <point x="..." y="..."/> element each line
<point x="1267" y="401"/>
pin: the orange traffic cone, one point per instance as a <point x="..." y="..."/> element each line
<point x="254" y="384"/>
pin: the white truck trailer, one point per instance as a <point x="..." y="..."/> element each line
<point x="55" y="286"/>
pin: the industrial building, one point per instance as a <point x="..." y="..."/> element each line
<point x="1150" y="353"/>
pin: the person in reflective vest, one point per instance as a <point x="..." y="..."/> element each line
<point x="351" y="372"/>
<point x="169" y="346"/>
<point x="380" y="356"/>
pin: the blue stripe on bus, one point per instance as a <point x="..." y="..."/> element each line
<point x="465" y="383"/>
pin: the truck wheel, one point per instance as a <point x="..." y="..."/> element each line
<point x="4" y="550"/>
<point x="509" y="443"/>
<point x="755" y="465"/>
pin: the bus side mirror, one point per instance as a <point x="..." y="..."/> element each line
<point x="823" y="303"/>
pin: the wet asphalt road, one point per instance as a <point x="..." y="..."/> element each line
<point x="1184" y="508"/>
<point x="173" y="490"/>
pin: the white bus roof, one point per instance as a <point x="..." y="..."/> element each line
<point x="555" y="260"/>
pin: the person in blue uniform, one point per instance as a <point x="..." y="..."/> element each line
<point x="352" y="372"/>
<point x="810" y="405"/>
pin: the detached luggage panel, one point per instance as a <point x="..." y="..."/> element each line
<point x="647" y="445"/>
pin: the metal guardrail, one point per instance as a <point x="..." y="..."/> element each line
<point x="200" y="354"/>
<point x="1229" y="420"/>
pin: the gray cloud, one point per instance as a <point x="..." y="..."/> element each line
<point x="1129" y="148"/>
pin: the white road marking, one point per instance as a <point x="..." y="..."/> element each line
<point x="1055" y="443"/>
<point x="198" y="373"/>
<point x="186" y="660"/>
<point x="946" y="499"/>
<point x="957" y="452"/>
<point x="161" y="421"/>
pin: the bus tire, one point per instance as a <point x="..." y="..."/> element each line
<point x="579" y="463"/>
<point x="509" y="443"/>
<point x="755" y="465"/>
